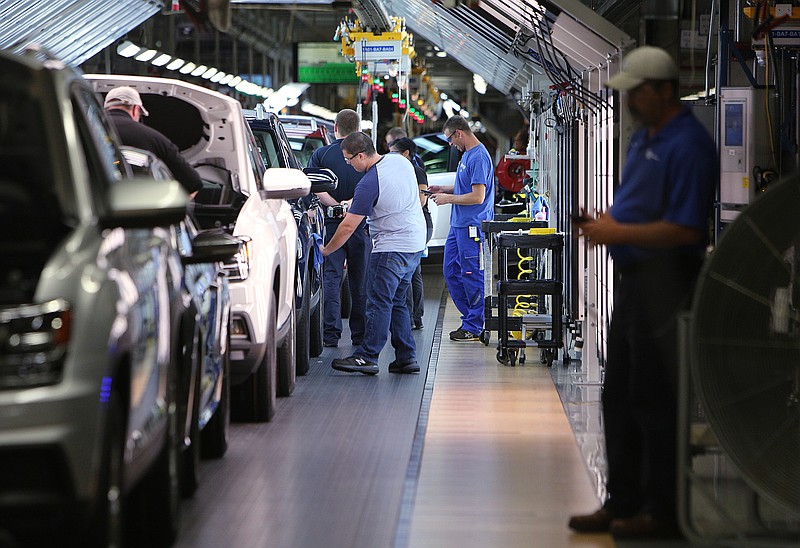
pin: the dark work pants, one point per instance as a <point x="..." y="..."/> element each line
<point x="356" y="252"/>
<point x="640" y="388"/>
<point x="415" y="300"/>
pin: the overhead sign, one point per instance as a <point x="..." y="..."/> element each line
<point x="378" y="50"/>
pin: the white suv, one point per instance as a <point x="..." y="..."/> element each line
<point x="243" y="197"/>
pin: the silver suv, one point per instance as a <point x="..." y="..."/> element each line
<point x="89" y="290"/>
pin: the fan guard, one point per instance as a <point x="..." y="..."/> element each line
<point x="745" y="344"/>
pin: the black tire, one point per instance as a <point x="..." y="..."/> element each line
<point x="214" y="437"/>
<point x="190" y="457"/>
<point x="303" y="332"/>
<point x="156" y="500"/>
<point x="316" y="324"/>
<point x="287" y="356"/>
<point x="346" y="298"/>
<point x="108" y="522"/>
<point x="256" y="397"/>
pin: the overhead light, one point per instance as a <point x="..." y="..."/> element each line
<point x="217" y="77"/>
<point x="175" y="64"/>
<point x="146" y="55"/>
<point x="235" y="82"/>
<point x="199" y="70"/>
<point x="187" y="68"/>
<point x="441" y="54"/>
<point x="128" y="49"/>
<point x="226" y="79"/>
<point x="443" y="96"/>
<point x="161" y="60"/>
<point x="209" y="73"/>
<point x="479" y="83"/>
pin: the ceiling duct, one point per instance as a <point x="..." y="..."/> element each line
<point x="373" y="16"/>
<point x="73" y="30"/>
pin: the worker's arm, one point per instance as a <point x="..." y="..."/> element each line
<point x="658" y="234"/>
<point x="477" y="196"/>
<point x="346" y="228"/>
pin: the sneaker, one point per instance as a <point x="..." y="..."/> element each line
<point x="417" y="326"/>
<point x="461" y="335"/>
<point x="355" y="365"/>
<point x="412" y="367"/>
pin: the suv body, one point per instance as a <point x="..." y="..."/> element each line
<point x="306" y="134"/>
<point x="247" y="200"/>
<point x="276" y="149"/>
<point x="89" y="301"/>
<point x="204" y="367"/>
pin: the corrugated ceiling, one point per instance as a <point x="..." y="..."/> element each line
<point x="74" y="30"/>
<point x="504" y="41"/>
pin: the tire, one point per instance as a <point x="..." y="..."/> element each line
<point x="287" y="356"/>
<point x="190" y="456"/>
<point x="214" y="437"/>
<point x="156" y="500"/>
<point x="108" y="522"/>
<point x="346" y="299"/>
<point x="303" y="332"/>
<point x="256" y="397"/>
<point x="317" y="328"/>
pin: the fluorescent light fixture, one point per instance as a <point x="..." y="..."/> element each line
<point x="146" y="55"/>
<point x="217" y="77"/>
<point x="128" y="49"/>
<point x="209" y="73"/>
<point x="187" y="68"/>
<point x="443" y="96"/>
<point x="199" y="70"/>
<point x="235" y="82"/>
<point x="479" y="83"/>
<point x="162" y="60"/>
<point x="292" y="102"/>
<point x="226" y="79"/>
<point x="441" y="54"/>
<point x="176" y="64"/>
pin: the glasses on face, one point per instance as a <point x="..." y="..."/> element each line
<point x="450" y="137"/>
<point x="350" y="159"/>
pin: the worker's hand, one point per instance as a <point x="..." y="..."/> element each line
<point x="441" y="198"/>
<point x="603" y="229"/>
<point x="193" y="194"/>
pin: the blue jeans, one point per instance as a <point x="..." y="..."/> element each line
<point x="390" y="277"/>
<point x="464" y="277"/>
<point x="355" y="251"/>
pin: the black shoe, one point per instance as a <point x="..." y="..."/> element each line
<point x="395" y="367"/>
<point x="355" y="365"/>
<point x="598" y="522"/>
<point x="333" y="344"/>
<point x="643" y="526"/>
<point x="460" y="335"/>
<point x="418" y="326"/>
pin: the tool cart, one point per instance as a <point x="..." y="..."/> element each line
<point x="529" y="289"/>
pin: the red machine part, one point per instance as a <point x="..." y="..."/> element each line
<point x="510" y="173"/>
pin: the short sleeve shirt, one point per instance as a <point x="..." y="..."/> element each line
<point x="475" y="168"/>
<point x="388" y="196"/>
<point x="669" y="177"/>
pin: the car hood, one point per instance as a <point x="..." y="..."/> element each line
<point x="206" y="125"/>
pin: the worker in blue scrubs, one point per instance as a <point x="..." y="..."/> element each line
<point x="472" y="199"/>
<point x="656" y="232"/>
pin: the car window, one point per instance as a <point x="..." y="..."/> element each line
<point x="434" y="151"/>
<point x="304" y="147"/>
<point x="104" y="159"/>
<point x="257" y="162"/>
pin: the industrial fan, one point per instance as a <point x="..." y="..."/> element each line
<point x="744" y="352"/>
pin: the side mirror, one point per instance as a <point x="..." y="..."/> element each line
<point x="322" y="179"/>
<point x="282" y="182"/>
<point x="212" y="247"/>
<point x="143" y="202"/>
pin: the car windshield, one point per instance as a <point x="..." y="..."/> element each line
<point x="304" y="147"/>
<point x="434" y="151"/>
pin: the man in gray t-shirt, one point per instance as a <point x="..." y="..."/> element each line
<point x="389" y="197"/>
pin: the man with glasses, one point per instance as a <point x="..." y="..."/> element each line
<point x="472" y="197"/>
<point x="357" y="248"/>
<point x="389" y="196"/>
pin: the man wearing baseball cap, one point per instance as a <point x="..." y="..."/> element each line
<point x="125" y="109"/>
<point x="656" y="232"/>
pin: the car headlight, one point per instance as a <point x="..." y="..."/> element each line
<point x="33" y="343"/>
<point x="238" y="268"/>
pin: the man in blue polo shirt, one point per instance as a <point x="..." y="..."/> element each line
<point x="472" y="197"/>
<point x="656" y="232"/>
<point x="389" y="196"/>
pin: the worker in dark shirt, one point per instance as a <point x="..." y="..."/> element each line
<point x="125" y="109"/>
<point x="356" y="250"/>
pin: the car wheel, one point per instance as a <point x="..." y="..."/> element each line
<point x="346" y="299"/>
<point x="108" y="524"/>
<point x="286" y="360"/>
<point x="190" y="461"/>
<point x="316" y="326"/>
<point x="304" y="330"/>
<point x="156" y="501"/>
<point x="257" y="395"/>
<point x="214" y="437"/>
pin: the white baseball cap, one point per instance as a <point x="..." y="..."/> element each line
<point x="644" y="63"/>
<point x="125" y="95"/>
